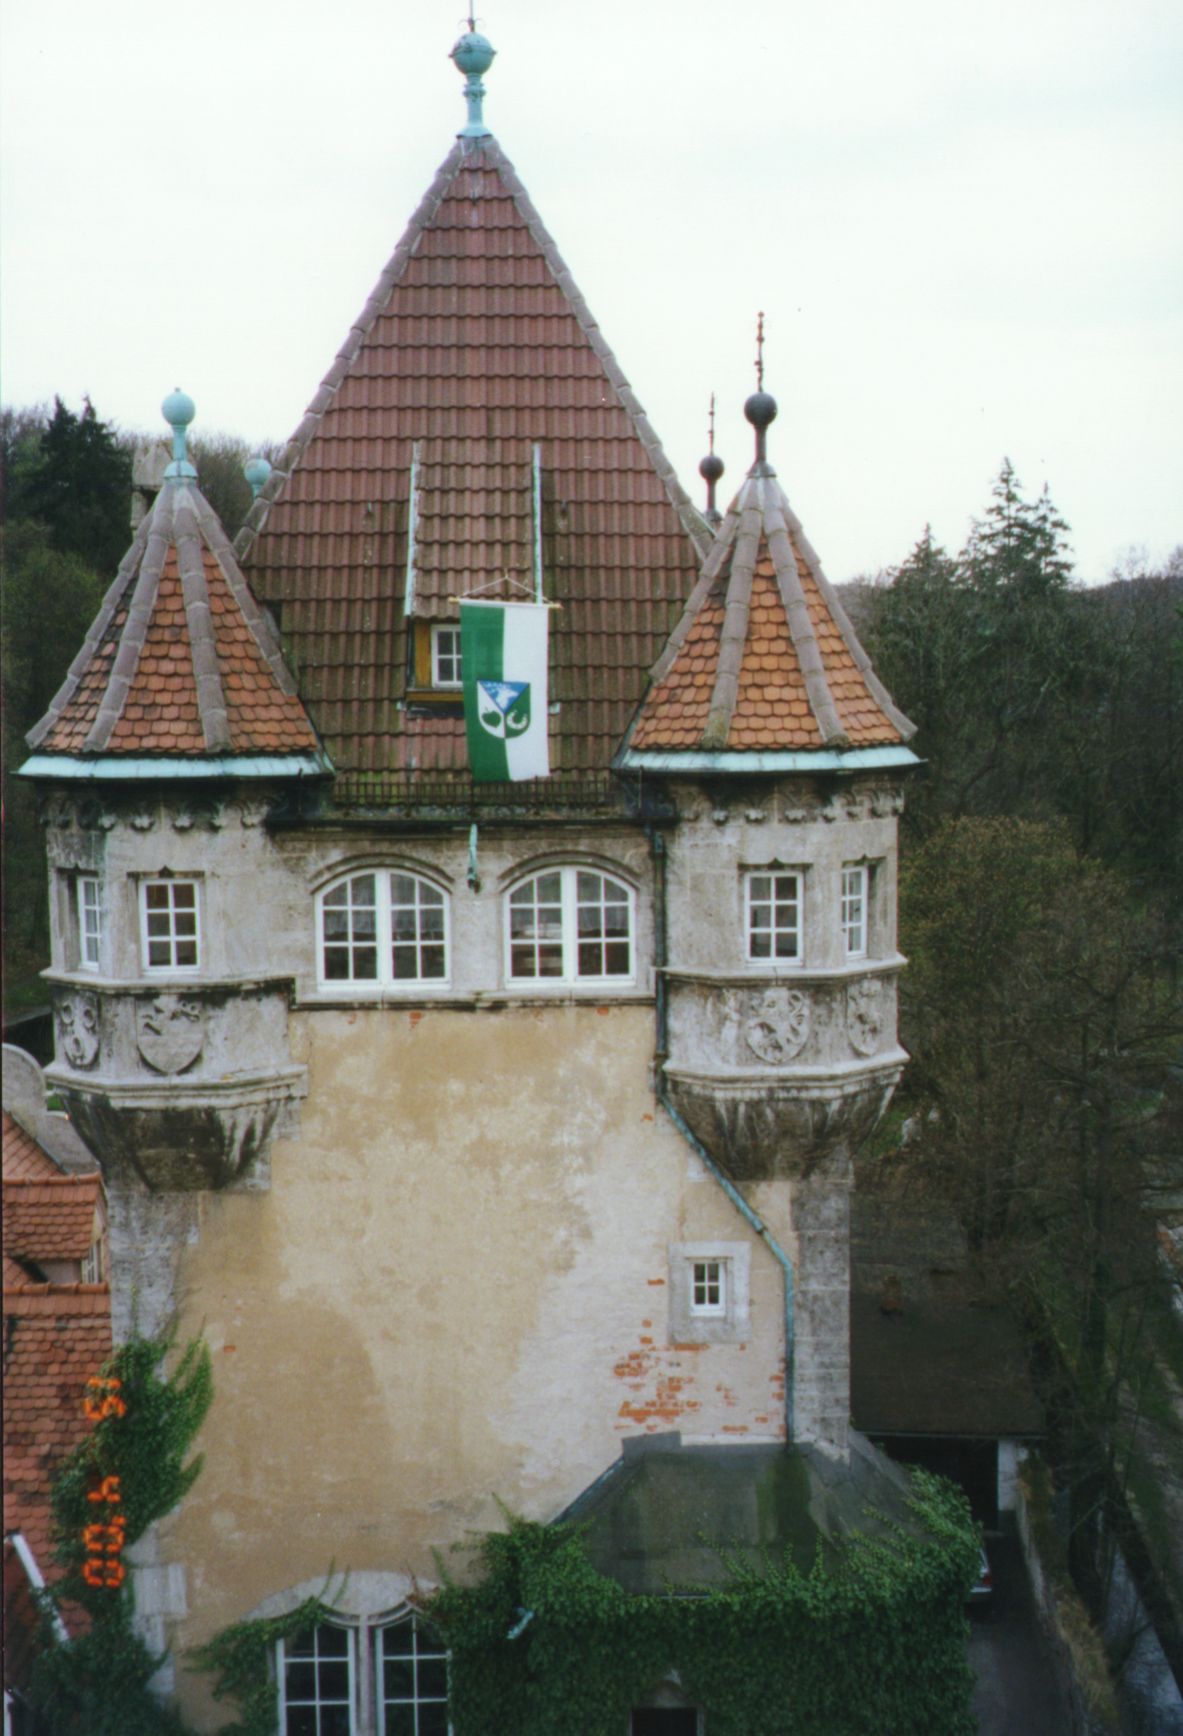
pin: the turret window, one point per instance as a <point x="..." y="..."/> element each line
<point x="385" y="929"/>
<point x="90" y="922"/>
<point x="854" y="909"/>
<point x="169" y="925"/>
<point x="570" y="925"/>
<point x="773" y="918"/>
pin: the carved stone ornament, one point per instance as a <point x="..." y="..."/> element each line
<point x="866" y="1015"/>
<point x="170" y="1032"/>
<point x="778" y="1027"/>
<point x="78" y="1028"/>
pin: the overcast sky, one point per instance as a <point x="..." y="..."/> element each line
<point x="964" y="225"/>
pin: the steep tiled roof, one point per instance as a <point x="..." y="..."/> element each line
<point x="415" y="465"/>
<point x="181" y="660"/>
<point x="52" y="1219"/>
<point x="24" y="1158"/>
<point x="764" y="658"/>
<point x="56" y="1337"/>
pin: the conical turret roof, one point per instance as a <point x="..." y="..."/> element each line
<point x="181" y="669"/>
<point x="764" y="665"/>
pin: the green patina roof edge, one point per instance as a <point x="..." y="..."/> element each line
<point x="779" y="760"/>
<point x="132" y="767"/>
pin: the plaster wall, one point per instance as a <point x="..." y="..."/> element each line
<point x="454" y="1290"/>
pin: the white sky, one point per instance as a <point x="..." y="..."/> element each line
<point x="964" y="224"/>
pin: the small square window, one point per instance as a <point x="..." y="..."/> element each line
<point x="708" y="1291"/>
<point x="169" y="925"/>
<point x="773" y="918"/>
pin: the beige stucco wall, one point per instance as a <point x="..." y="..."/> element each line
<point x="455" y="1290"/>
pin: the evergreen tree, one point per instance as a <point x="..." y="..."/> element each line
<point x="79" y="488"/>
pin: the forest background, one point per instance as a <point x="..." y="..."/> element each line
<point x="1041" y="907"/>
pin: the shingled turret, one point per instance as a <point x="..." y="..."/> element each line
<point x="177" y="730"/>
<point x="180" y="661"/>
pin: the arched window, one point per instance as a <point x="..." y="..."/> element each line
<point x="375" y="1678"/>
<point x="384" y="928"/>
<point x="570" y="925"/>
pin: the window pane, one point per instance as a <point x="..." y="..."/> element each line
<point x="301" y="1721"/>
<point x="336" y="924"/>
<point x="301" y="1681"/>
<point x="334" y="1679"/>
<point x="158" y="952"/>
<point x="334" y="1721"/>
<point x="336" y="964"/>
<point x="433" y="1677"/>
<point x="157" y="896"/>
<point x="186" y="952"/>
<point x="433" y="961"/>
<point x="365" y="964"/>
<point x="433" y="1720"/>
<point x="399" y="1676"/>
<point x="400" y="1721"/>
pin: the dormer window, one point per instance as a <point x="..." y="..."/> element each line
<point x="445" y="656"/>
<point x="773" y="908"/>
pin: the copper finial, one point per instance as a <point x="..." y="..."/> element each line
<point x="711" y="468"/>
<point x="760" y="408"/>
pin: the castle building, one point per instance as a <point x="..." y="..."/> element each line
<point x="496" y="1134"/>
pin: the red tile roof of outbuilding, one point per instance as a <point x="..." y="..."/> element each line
<point x="417" y="455"/>
<point x="51" y="1219"/>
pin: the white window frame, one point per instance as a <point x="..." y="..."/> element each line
<point x="418" y="1638"/>
<point x="88" y="893"/>
<point x="384" y="981"/>
<point x="172" y="938"/>
<point x="729" y="1321"/>
<point x="318" y="1705"/>
<point x="708" y="1286"/>
<point x="753" y="897"/>
<point x="856" y="909"/>
<point x="365" y="1654"/>
<point x="442" y="655"/>
<point x="570" y="976"/>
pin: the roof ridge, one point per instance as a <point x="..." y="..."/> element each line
<point x="207" y="675"/>
<point x="53" y="1181"/>
<point x="733" y="636"/>
<point x="361" y="328"/>
<point x="846" y="628"/>
<point x="99" y="628"/>
<point x="792" y="596"/>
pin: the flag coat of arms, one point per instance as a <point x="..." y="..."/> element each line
<point x="503" y="664"/>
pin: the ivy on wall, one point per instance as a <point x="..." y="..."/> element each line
<point x="872" y="1646"/>
<point x="131" y="1470"/>
<point x="241" y="1657"/>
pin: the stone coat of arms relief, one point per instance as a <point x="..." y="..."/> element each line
<point x="866" y="1014"/>
<point x="170" y="1032"/>
<point x="777" y="1027"/>
<point x="78" y="1028"/>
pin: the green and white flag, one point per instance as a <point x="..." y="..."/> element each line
<point x="503" y="665"/>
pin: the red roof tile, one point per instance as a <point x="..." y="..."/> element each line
<point x="181" y="659"/>
<point x="56" y="1337"/>
<point x="764" y="658"/>
<point x="475" y="347"/>
<point x="52" y="1219"/>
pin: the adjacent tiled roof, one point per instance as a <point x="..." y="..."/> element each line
<point x="181" y="660"/>
<point x="55" y="1336"/>
<point x="417" y="458"/>
<point x="764" y="657"/>
<point x="51" y="1219"/>
<point x="24" y="1158"/>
